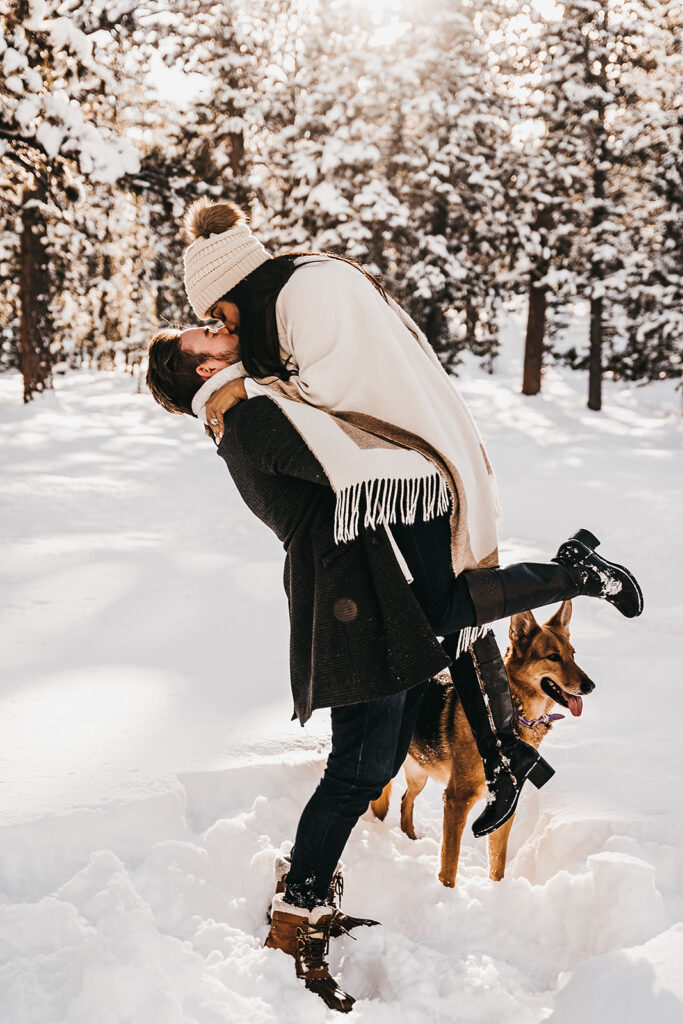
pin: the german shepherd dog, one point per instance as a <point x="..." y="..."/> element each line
<point x="542" y="672"/>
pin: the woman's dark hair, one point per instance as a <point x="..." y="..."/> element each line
<point x="255" y="296"/>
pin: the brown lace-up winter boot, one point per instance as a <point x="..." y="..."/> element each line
<point x="342" y="923"/>
<point x="305" y="935"/>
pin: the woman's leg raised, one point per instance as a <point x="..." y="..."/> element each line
<point x="480" y="596"/>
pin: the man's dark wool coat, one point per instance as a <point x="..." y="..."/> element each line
<point x="357" y="631"/>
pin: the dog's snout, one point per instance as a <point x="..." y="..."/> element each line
<point x="587" y="686"/>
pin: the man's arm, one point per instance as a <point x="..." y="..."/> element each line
<point x="270" y="442"/>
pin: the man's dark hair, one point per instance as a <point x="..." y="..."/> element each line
<point x="172" y="374"/>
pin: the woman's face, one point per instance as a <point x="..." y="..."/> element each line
<point x="228" y="314"/>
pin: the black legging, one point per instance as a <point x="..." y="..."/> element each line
<point x="444" y="598"/>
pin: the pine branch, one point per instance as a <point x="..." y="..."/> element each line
<point x="30" y="143"/>
<point x="29" y="167"/>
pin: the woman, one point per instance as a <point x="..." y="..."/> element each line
<point x="363" y="443"/>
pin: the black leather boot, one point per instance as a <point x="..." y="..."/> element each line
<point x="574" y="571"/>
<point x="481" y="682"/>
<point x="599" y="577"/>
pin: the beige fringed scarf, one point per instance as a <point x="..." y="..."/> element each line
<point x="400" y="439"/>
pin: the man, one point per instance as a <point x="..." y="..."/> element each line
<point x="359" y="639"/>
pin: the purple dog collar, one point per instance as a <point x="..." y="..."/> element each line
<point x="543" y="720"/>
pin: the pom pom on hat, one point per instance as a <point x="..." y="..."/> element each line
<point x="221" y="253"/>
<point x="204" y="218"/>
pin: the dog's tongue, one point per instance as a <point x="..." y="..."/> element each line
<point x="575" y="704"/>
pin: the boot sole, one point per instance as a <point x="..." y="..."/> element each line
<point x="634" y="583"/>
<point x="342" y="1002"/>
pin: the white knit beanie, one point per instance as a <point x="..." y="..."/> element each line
<point x="216" y="264"/>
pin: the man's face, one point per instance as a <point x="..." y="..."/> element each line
<point x="219" y="348"/>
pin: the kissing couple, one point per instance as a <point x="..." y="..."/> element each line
<point x="345" y="436"/>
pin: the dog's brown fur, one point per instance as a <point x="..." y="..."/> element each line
<point x="536" y="652"/>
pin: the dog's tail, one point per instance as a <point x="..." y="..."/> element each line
<point x="381" y="805"/>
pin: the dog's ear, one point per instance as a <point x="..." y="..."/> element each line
<point x="522" y="628"/>
<point x="562" y="617"/>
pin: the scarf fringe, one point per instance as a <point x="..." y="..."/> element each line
<point x="468" y="636"/>
<point x="387" y="499"/>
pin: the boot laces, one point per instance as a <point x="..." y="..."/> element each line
<point x="335" y="890"/>
<point x="313" y="944"/>
<point x="338" y="921"/>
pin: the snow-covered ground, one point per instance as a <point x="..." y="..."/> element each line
<point x="150" y="770"/>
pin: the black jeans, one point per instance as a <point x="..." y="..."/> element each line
<point x="370" y="740"/>
<point x="369" y="744"/>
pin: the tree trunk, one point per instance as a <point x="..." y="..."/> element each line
<point x="434" y="328"/>
<point x="597" y="269"/>
<point x="535" y="333"/>
<point x="471" y="321"/>
<point x="597" y="304"/>
<point x="236" y="153"/>
<point x="595" y="361"/>
<point x="535" y="324"/>
<point x="36" y="360"/>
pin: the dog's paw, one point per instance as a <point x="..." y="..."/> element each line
<point x="409" y="831"/>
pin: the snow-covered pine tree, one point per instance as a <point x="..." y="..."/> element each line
<point x="215" y="41"/>
<point x="590" y="52"/>
<point x="323" y="165"/>
<point x="203" y="144"/>
<point x="278" y="27"/>
<point x="48" y="142"/>
<point x="652" y="300"/>
<point x="102" y="306"/>
<point x="543" y="177"/>
<point x="452" y="173"/>
<point x="388" y="157"/>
